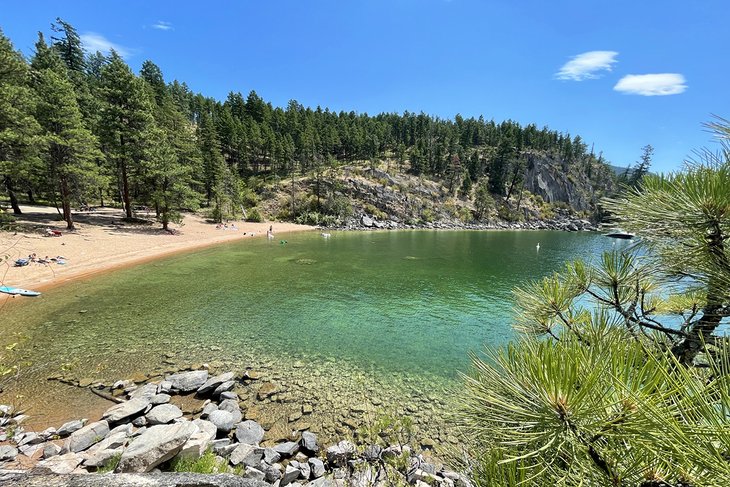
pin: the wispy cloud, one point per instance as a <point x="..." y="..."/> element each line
<point x="660" y="84"/>
<point x="587" y="65"/>
<point x="162" y="25"/>
<point x="96" y="42"/>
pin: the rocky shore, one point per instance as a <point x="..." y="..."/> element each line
<point x="192" y="420"/>
<point x="563" y="222"/>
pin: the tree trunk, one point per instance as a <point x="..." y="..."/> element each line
<point x="31" y="197"/>
<point x="125" y="192"/>
<point x="66" y="204"/>
<point x="714" y="311"/>
<point x="11" y="194"/>
<point x="101" y="197"/>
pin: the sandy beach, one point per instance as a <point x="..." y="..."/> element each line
<point x="103" y="241"/>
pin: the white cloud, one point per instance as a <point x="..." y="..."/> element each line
<point x="652" y="84"/>
<point x="96" y="42"/>
<point x="587" y="65"/>
<point x="162" y="25"/>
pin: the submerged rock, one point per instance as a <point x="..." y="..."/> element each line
<point x="214" y="382"/>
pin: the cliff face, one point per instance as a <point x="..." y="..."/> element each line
<point x="580" y="187"/>
<point x="552" y="189"/>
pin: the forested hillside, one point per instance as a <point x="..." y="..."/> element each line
<point x="80" y="129"/>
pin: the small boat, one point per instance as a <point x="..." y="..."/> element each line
<point x="17" y="291"/>
<point x="622" y="235"/>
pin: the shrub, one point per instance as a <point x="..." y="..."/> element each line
<point x="253" y="215"/>
<point x="375" y="212"/>
<point x="208" y="463"/>
<point x="427" y="215"/>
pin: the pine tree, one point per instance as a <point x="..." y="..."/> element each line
<point x="70" y="150"/>
<point x="125" y="120"/>
<point x="18" y="127"/>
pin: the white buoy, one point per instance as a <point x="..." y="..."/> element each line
<point x="538" y="246"/>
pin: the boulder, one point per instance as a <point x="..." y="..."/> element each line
<point x="88" y="435"/>
<point x="367" y="221"/>
<point x="160" y="399"/>
<point x="163" y="414"/>
<point x="70" y="427"/>
<point x="51" y="450"/>
<point x="8" y="452"/>
<point x="309" y="442"/>
<point x="339" y="454"/>
<point x="156" y="445"/>
<point x="317" y="467"/>
<point x="249" y="432"/>
<point x="223" y="447"/>
<point x="229" y="405"/>
<point x="224" y="420"/>
<point x="224" y="387"/>
<point x="164" y="387"/>
<point x="58" y="465"/>
<point x="273" y="473"/>
<point x="287" y="449"/>
<point x="208" y="408"/>
<point x="145" y="392"/>
<point x="271" y="456"/>
<point x="254" y="473"/>
<point x="199" y="441"/>
<point x="304" y="469"/>
<point x="249" y="455"/>
<point x="212" y="383"/>
<point x="228" y="395"/>
<point x="102" y="458"/>
<point x="290" y="475"/>
<point x="126" y="409"/>
<point x="187" y="381"/>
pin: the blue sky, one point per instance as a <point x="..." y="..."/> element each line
<point x="576" y="66"/>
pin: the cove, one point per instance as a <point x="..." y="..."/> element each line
<point x="395" y="310"/>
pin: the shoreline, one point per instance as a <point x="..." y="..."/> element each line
<point x="105" y="245"/>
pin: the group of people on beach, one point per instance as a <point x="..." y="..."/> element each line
<point x="224" y="226"/>
<point x="34" y="259"/>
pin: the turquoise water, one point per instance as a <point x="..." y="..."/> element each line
<point x="407" y="304"/>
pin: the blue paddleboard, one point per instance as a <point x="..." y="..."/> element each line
<point x="18" y="291"/>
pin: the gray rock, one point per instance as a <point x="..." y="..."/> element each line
<point x="70" y="427"/>
<point x="305" y="470"/>
<point x="160" y="399"/>
<point x="48" y="432"/>
<point x="317" y="467"/>
<point x="212" y="383"/>
<point x="224" y="420"/>
<point x="159" y="479"/>
<point x="30" y="438"/>
<point x="144" y="392"/>
<point x="367" y="221"/>
<point x="271" y="456"/>
<point x="139" y="421"/>
<point x="223" y="447"/>
<point x="229" y="405"/>
<point x="29" y="450"/>
<point x="273" y="473"/>
<point x="287" y="449"/>
<point x="322" y="482"/>
<point x="339" y="454"/>
<point x="163" y="414"/>
<point x="249" y="432"/>
<point x="156" y="445"/>
<point x="229" y="395"/>
<point x="254" y="473"/>
<point x="208" y="408"/>
<point x="290" y="475"/>
<point x="59" y="465"/>
<point x="187" y="381"/>
<point x="224" y="387"/>
<point x="8" y="452"/>
<point x="88" y="435"/>
<point x="126" y="409"/>
<point x="309" y="442"/>
<point x="102" y="458"/>
<point x="249" y="455"/>
<point x="199" y="441"/>
<point x="51" y="450"/>
<point x="164" y="387"/>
